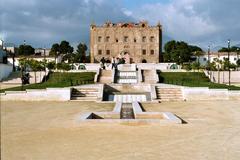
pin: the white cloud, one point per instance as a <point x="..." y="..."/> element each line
<point x="126" y="12"/>
<point x="45" y="23"/>
<point x="195" y="21"/>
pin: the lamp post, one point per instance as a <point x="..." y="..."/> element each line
<point x="44" y="53"/>
<point x="208" y="62"/>
<point x="24" y="65"/>
<point x="237" y="57"/>
<point x="229" y="83"/>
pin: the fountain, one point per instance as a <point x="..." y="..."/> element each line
<point x="126" y="93"/>
<point x="130" y="112"/>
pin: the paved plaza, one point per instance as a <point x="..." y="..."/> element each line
<point x="50" y="130"/>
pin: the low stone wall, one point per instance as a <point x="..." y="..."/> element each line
<point x="5" y="70"/>
<point x="222" y="76"/>
<point x="204" y="93"/>
<point x="154" y="66"/>
<point x="49" y="94"/>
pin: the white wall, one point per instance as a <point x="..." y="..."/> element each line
<point x="203" y="59"/>
<point x="222" y="76"/>
<point x="157" y="66"/>
<point x="5" y="70"/>
<point x="204" y="93"/>
<point x="49" y="94"/>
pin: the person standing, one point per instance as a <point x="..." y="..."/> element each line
<point x="102" y="62"/>
<point x="113" y="62"/>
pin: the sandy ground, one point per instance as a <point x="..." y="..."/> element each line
<point x="43" y="130"/>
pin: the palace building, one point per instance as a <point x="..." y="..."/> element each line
<point x="136" y="42"/>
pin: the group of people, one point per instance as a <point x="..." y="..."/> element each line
<point x="115" y="62"/>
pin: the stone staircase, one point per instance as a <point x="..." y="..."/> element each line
<point x="169" y="94"/>
<point x="127" y="77"/>
<point x="128" y="98"/>
<point x="127" y="111"/>
<point x="84" y="94"/>
<point x="105" y="76"/>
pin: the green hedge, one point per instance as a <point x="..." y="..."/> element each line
<point x="58" y="79"/>
<point x="191" y="79"/>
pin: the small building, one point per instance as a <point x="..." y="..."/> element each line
<point x="10" y="47"/>
<point x="3" y="56"/>
<point x="42" y="51"/>
<point x="233" y="56"/>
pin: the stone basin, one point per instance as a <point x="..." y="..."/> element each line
<point x="138" y="115"/>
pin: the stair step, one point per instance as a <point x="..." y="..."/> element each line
<point x="84" y="98"/>
<point x="82" y="95"/>
<point x="85" y="92"/>
<point x="85" y="89"/>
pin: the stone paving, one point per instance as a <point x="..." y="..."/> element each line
<point x="48" y="130"/>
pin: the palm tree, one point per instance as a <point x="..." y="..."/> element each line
<point x="219" y="64"/>
<point x="198" y="54"/>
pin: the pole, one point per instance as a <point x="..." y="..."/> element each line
<point x="237" y="57"/>
<point x="44" y="52"/>
<point x="209" y="63"/>
<point x="24" y="65"/>
<point x="229" y="83"/>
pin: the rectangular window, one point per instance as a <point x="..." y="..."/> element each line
<point x="151" y="39"/>
<point x="107" y="39"/>
<point x="125" y="38"/>
<point x="144" y="52"/>
<point x="107" y="52"/>
<point x="99" y="52"/>
<point x="99" y="39"/>
<point x="152" y="52"/>
<point x="135" y="40"/>
<point x="116" y="40"/>
<point x="204" y="59"/>
<point x="144" y="39"/>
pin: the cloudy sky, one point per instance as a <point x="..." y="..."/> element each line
<point x="43" y="22"/>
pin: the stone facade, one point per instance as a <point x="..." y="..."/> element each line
<point x="136" y="42"/>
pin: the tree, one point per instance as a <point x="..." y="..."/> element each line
<point x="22" y="63"/>
<point x="238" y="63"/>
<point x="170" y="46"/>
<point x="26" y="50"/>
<point x="51" y="65"/>
<point x="198" y="52"/>
<point x="65" y="48"/>
<point x="35" y="66"/>
<point x="55" y="50"/>
<point x="226" y="64"/>
<point x="81" y="53"/>
<point x="232" y="49"/>
<point x="195" y="49"/>
<point x="179" y="51"/>
<point x="195" y="65"/>
<point x="64" y="66"/>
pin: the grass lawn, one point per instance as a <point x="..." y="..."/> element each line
<point x="191" y="79"/>
<point x="57" y="79"/>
